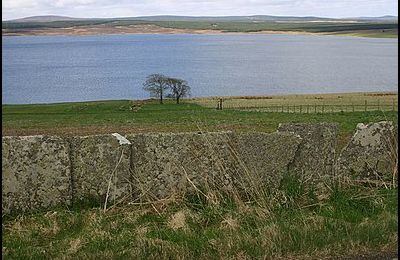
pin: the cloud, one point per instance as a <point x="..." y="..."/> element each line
<point x="125" y="8"/>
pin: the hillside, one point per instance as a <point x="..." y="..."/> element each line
<point x="384" y="27"/>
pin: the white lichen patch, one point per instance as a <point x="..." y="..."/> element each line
<point x="122" y="140"/>
<point x="370" y="135"/>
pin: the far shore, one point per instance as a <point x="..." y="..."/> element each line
<point x="154" y="29"/>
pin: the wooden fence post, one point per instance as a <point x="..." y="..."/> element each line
<point x="315" y="108"/>
<point x="323" y="107"/>
<point x="365" y="105"/>
<point x="352" y="104"/>
<point x="379" y="107"/>
<point x="393" y="105"/>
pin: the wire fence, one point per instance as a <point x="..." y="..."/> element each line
<point x="311" y="108"/>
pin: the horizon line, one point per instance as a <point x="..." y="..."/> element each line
<point x="199" y="16"/>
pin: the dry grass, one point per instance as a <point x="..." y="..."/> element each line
<point x="341" y="101"/>
<point x="342" y="226"/>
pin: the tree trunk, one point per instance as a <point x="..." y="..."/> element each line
<point x="161" y="97"/>
<point x="177" y="100"/>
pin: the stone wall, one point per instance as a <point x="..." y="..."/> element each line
<point x="45" y="171"/>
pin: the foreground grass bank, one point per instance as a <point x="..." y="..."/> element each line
<point x="295" y="225"/>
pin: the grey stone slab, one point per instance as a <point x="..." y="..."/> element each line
<point x="96" y="160"/>
<point x="371" y="153"/>
<point x="169" y="163"/>
<point x="315" y="159"/>
<point x="166" y="164"/>
<point x="35" y="173"/>
<point x="266" y="156"/>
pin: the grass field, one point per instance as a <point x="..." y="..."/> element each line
<point x="293" y="222"/>
<point x="125" y="117"/>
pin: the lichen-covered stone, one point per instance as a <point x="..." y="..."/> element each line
<point x="35" y="173"/>
<point x="167" y="163"/>
<point x="96" y="159"/>
<point x="371" y="152"/>
<point x="266" y="156"/>
<point x="315" y="158"/>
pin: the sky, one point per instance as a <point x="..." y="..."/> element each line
<point x="12" y="9"/>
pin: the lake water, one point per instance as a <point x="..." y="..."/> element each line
<point x="44" y="69"/>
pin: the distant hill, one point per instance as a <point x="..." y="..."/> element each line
<point x="254" y="18"/>
<point x="386" y="17"/>
<point x="385" y="26"/>
<point x="45" y="18"/>
<point x="228" y="18"/>
<point x="379" y="18"/>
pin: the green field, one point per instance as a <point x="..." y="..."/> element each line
<point x="125" y="116"/>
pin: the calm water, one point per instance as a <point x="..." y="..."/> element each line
<point x="42" y="69"/>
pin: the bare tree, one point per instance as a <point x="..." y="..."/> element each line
<point x="156" y="84"/>
<point x="178" y="87"/>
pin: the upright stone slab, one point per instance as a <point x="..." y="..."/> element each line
<point x="316" y="155"/>
<point x="371" y="152"/>
<point x="168" y="163"/>
<point x="266" y="156"/>
<point x="96" y="159"/>
<point x="35" y="173"/>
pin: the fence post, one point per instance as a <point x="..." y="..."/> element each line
<point x="393" y="105"/>
<point x="365" y="105"/>
<point x="323" y="107"/>
<point x="379" y="107"/>
<point x="352" y="104"/>
<point x="301" y="108"/>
